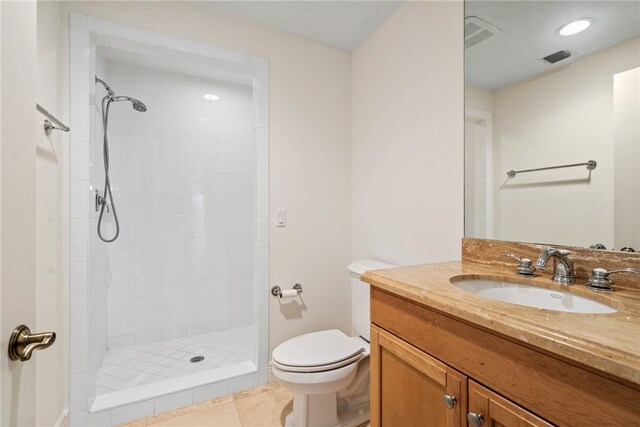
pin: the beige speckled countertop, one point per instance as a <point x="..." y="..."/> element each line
<point x="609" y="343"/>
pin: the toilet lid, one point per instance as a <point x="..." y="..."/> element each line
<point x="317" y="350"/>
<point x="320" y="368"/>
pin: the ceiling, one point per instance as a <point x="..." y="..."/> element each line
<point x="343" y="24"/>
<point x="529" y="31"/>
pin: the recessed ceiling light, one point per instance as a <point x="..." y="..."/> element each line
<point x="210" y="97"/>
<point x="575" y="27"/>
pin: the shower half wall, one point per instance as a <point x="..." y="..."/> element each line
<point x="189" y="180"/>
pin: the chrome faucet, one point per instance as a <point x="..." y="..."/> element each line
<point x="563" y="268"/>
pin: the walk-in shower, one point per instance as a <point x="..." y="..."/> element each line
<point x="104" y="200"/>
<point x="173" y="309"/>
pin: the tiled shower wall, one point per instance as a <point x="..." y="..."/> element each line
<point x="97" y="267"/>
<point x="182" y="175"/>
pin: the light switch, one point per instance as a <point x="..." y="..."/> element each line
<point x="281" y="218"/>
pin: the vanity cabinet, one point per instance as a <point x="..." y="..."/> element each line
<point x="419" y="355"/>
<point x="410" y="386"/>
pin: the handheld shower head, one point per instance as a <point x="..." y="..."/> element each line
<point x="137" y="104"/>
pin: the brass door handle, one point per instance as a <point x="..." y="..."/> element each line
<point x="22" y="342"/>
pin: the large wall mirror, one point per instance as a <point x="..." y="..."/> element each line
<point x="536" y="99"/>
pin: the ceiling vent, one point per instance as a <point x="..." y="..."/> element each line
<point x="557" y="57"/>
<point x="478" y="31"/>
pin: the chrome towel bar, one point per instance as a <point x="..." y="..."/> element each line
<point x="590" y="164"/>
<point x="48" y="126"/>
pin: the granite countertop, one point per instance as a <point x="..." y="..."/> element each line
<point x="605" y="342"/>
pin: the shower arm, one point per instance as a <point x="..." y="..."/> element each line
<point x="106" y="86"/>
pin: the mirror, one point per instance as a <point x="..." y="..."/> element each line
<point x="535" y="100"/>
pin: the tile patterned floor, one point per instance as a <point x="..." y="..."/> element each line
<point x="148" y="363"/>
<point x="264" y="406"/>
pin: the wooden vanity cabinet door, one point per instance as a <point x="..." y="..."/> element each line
<point x="497" y="411"/>
<point x="407" y="386"/>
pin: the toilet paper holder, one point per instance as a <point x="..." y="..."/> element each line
<point x="276" y="291"/>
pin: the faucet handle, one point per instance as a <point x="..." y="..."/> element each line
<point x="599" y="278"/>
<point x="524" y="268"/>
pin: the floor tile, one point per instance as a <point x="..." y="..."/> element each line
<point x="220" y="415"/>
<point x="172" y="416"/>
<point x="265" y="406"/>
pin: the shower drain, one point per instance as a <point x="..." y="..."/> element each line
<point x="196" y="359"/>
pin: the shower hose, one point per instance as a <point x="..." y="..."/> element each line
<point x="107" y="198"/>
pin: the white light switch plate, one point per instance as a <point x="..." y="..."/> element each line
<point x="281" y="218"/>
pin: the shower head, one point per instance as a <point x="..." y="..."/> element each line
<point x="137" y="104"/>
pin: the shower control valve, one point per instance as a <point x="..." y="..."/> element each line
<point x="99" y="201"/>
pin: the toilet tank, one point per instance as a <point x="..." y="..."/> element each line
<point x="360" y="294"/>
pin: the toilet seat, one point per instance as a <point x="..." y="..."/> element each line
<point x="317" y="352"/>
<point x="320" y="368"/>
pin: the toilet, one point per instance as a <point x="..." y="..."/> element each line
<point x="328" y="371"/>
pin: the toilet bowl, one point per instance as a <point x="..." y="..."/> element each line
<point x="328" y="371"/>
<point x="328" y="374"/>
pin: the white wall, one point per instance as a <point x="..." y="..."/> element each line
<point x="183" y="176"/>
<point x="626" y="141"/>
<point x="407" y="152"/>
<point x="309" y="152"/>
<point x="478" y="98"/>
<point x="476" y="135"/>
<point x="51" y="290"/>
<point x="478" y="128"/>
<point x="561" y="117"/>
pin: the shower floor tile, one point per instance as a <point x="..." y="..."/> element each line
<point x="149" y="363"/>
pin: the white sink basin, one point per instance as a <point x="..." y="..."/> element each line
<point x="533" y="296"/>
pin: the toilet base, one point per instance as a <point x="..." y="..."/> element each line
<point x="322" y="411"/>
<point x="345" y="417"/>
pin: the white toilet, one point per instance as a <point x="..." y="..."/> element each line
<point x="328" y="371"/>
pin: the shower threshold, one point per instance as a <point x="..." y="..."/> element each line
<point x="148" y="371"/>
<point x="145" y="392"/>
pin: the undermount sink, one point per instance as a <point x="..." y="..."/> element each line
<point x="532" y="296"/>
